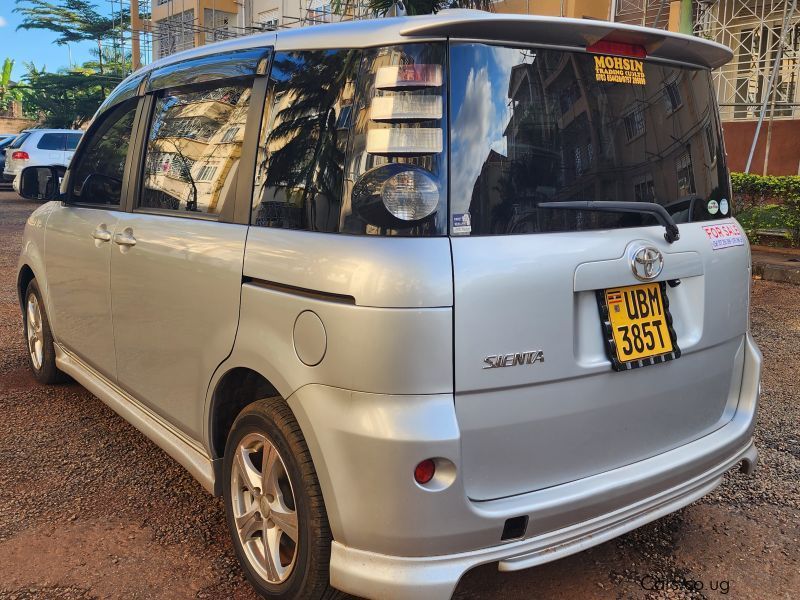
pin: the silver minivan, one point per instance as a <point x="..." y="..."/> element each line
<point x="412" y="294"/>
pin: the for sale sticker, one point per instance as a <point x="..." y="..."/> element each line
<point x="724" y="236"/>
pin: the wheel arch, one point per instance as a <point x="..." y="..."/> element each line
<point x="24" y="277"/>
<point x="237" y="388"/>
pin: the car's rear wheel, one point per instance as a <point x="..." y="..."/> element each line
<point x="39" y="338"/>
<point x="274" y="507"/>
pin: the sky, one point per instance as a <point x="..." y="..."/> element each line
<point x="35" y="45"/>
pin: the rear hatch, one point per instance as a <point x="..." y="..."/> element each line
<point x="550" y="385"/>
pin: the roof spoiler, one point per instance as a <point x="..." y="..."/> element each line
<point x="564" y="32"/>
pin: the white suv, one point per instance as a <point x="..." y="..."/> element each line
<point x="36" y="147"/>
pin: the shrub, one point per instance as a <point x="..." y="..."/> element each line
<point x="767" y="202"/>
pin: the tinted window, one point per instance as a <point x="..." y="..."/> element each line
<point x="72" y="140"/>
<point x="343" y="123"/>
<point x="541" y="125"/>
<point x="300" y="165"/>
<point x="51" y="141"/>
<point x="191" y="164"/>
<point x="97" y="175"/>
<point x="398" y="127"/>
<point x="18" y="141"/>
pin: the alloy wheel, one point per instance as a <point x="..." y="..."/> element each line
<point x="264" y="508"/>
<point x="34" y="331"/>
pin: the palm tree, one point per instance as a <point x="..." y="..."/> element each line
<point x="307" y="156"/>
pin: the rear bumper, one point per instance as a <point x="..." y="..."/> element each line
<point x="395" y="540"/>
<point x="375" y="575"/>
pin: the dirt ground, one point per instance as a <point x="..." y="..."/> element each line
<point x="89" y="508"/>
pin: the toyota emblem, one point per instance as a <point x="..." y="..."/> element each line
<point x="647" y="263"/>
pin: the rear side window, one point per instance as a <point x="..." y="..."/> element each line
<point x="193" y="148"/>
<point x="72" y="140"/>
<point x="98" y="172"/>
<point x="542" y="125"/>
<point x="20" y="140"/>
<point x="353" y="142"/>
<point x="51" y="141"/>
<point x="300" y="164"/>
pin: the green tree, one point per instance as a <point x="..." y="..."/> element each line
<point x="76" y="21"/>
<point x="8" y="93"/>
<point x="67" y="98"/>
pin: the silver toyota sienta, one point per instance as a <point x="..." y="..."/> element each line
<point x="411" y="294"/>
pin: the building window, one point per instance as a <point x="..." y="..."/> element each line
<point x="634" y="123"/>
<point x="672" y="96"/>
<point x="644" y="190"/>
<point x="175" y="33"/>
<point x="206" y="173"/>
<point x="268" y="20"/>
<point x="685" y="173"/>
<point x="230" y="135"/>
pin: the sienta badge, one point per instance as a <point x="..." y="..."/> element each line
<point x="713" y="207"/>
<point x="723" y="206"/>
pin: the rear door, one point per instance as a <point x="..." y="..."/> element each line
<point x="50" y="149"/>
<point x="560" y="372"/>
<point x="176" y="266"/>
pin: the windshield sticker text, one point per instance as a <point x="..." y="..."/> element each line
<point x="613" y="69"/>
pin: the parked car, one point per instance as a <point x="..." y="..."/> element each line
<point x="34" y="147"/>
<point x="5" y="142"/>
<point x="405" y="293"/>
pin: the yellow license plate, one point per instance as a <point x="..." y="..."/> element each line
<point x="638" y="325"/>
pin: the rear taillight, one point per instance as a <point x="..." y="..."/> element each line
<point x="405" y="127"/>
<point x="407" y="192"/>
<point x="20" y="155"/>
<point x="408" y="75"/>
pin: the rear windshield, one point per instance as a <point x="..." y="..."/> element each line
<point x="535" y="125"/>
<point x="18" y="141"/>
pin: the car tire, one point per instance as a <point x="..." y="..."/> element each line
<point x="39" y="338"/>
<point x="273" y="501"/>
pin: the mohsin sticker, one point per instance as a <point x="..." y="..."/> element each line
<point x="614" y="69"/>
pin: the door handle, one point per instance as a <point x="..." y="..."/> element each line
<point x="102" y="234"/>
<point x="125" y="238"/>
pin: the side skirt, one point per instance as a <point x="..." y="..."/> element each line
<point x="187" y="452"/>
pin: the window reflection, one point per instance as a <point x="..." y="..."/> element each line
<point x="299" y="169"/>
<point x="194" y="147"/>
<point x="97" y="177"/>
<point x="536" y="125"/>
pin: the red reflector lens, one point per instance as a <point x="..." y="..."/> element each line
<point x="425" y="471"/>
<point x="20" y="155"/>
<point x="617" y="49"/>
